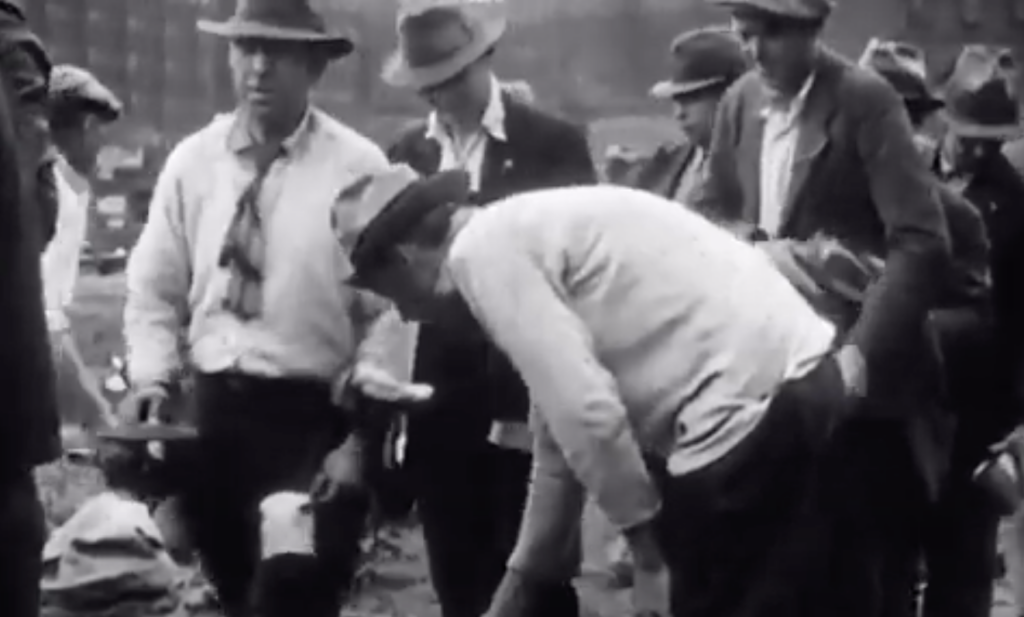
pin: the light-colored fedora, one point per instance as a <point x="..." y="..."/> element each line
<point x="979" y="97"/>
<point x="281" y="20"/>
<point x="438" y="42"/>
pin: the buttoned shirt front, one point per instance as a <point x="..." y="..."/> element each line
<point x="467" y="152"/>
<point x="778" y="152"/>
<point x="313" y="325"/>
<point x="60" y="261"/>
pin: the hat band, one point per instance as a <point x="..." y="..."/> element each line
<point x="272" y="17"/>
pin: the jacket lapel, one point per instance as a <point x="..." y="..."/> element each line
<point x="750" y="149"/>
<point x="812" y="139"/>
<point x="499" y="160"/>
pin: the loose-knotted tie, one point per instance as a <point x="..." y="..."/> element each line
<point x="244" y="249"/>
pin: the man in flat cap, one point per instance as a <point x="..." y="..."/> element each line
<point x="705" y="63"/>
<point x="468" y="454"/>
<point x="235" y="277"/>
<point x="809" y="146"/>
<point x="677" y="378"/>
<point x="80" y="107"/>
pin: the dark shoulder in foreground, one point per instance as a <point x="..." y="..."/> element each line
<point x="539" y="124"/>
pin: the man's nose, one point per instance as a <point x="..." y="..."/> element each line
<point x="754" y="48"/>
<point x="260" y="61"/>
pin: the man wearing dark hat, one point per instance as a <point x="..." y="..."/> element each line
<point x="809" y="146"/>
<point x="468" y="454"/>
<point x="957" y="533"/>
<point x="235" y="277"/>
<point x="981" y="116"/>
<point x="692" y="412"/>
<point x="705" y="63"/>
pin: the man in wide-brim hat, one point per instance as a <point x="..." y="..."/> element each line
<point x="469" y="456"/>
<point x="705" y="62"/>
<point x="238" y="263"/>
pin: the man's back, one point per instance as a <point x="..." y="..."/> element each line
<point x="683" y="315"/>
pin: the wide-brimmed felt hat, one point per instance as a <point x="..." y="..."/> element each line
<point x="281" y="20"/>
<point x="799" y="10"/>
<point x="703" y="59"/>
<point x="73" y="84"/>
<point x="903" y="66"/>
<point x="438" y="42"/>
<point x="979" y="97"/>
<point x="379" y="210"/>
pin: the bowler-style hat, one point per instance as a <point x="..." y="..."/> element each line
<point x="903" y="66"/>
<point x="378" y="211"/>
<point x="437" y="43"/>
<point x="799" y="10"/>
<point x="979" y="97"/>
<point x="701" y="60"/>
<point x="281" y="20"/>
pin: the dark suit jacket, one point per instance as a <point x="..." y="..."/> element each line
<point x="28" y="417"/>
<point x="857" y="177"/>
<point x="659" y="172"/>
<point x="474" y="382"/>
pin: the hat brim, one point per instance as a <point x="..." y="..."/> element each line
<point x="336" y="45"/>
<point x="669" y="89"/>
<point x="401" y="214"/>
<point x="965" y="128"/>
<point x="398" y="73"/>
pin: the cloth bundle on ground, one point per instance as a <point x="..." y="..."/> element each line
<point x="109" y="560"/>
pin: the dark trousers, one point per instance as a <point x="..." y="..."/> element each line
<point x="22" y="534"/>
<point x="257" y="437"/>
<point x="743" y="537"/>
<point x="470" y="497"/>
<point x="960" y="551"/>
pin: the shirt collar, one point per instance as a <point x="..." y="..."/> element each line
<point x="78" y="182"/>
<point x="242" y="139"/>
<point x="492" y="122"/>
<point x="793" y="106"/>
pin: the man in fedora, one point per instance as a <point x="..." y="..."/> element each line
<point x="468" y="454"/>
<point x="981" y="115"/>
<point x="234" y="278"/>
<point x="692" y="412"/>
<point x="810" y="146"/>
<point x="705" y="63"/>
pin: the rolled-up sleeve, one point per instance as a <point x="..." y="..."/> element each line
<point x="158" y="279"/>
<point x="388" y="342"/>
<point x="519" y="302"/>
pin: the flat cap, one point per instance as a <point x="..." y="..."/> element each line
<point x="69" y="83"/>
<point x="802" y="10"/>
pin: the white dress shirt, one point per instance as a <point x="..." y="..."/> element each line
<point x="778" y="151"/>
<point x="313" y="325"/>
<point x="60" y="261"/>
<point x="467" y="152"/>
<point x="639" y="327"/>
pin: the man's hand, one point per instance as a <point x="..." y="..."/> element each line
<point x="143" y="405"/>
<point x="650" y="574"/>
<point x="342" y="470"/>
<point x="514" y="596"/>
<point x="378" y="384"/>
<point x="854" y="370"/>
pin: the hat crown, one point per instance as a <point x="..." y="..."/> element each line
<point x="708" y="54"/>
<point x="291" y="14"/>
<point x="979" y="89"/>
<point x="901" y="64"/>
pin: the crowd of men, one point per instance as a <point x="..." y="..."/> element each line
<point x="773" y="353"/>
